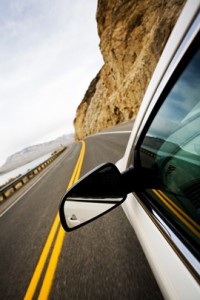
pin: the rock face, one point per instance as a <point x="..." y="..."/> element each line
<point x="132" y="36"/>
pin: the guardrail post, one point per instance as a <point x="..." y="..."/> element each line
<point x="10" y="188"/>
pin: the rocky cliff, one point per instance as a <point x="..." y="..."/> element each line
<point x="132" y="36"/>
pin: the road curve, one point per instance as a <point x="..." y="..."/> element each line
<point x="102" y="260"/>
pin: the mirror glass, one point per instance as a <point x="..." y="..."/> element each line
<point x="94" y="194"/>
<point x="77" y="213"/>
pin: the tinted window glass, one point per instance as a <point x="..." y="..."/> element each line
<point x="172" y="147"/>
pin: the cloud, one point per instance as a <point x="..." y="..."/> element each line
<point x="49" y="55"/>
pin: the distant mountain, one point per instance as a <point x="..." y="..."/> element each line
<point x="33" y="152"/>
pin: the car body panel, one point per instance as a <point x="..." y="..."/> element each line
<point x="174" y="277"/>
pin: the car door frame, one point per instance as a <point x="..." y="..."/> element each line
<point x="149" y="227"/>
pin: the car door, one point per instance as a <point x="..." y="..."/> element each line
<point x="168" y="143"/>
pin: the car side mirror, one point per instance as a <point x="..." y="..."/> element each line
<point x="90" y="197"/>
<point x="100" y="191"/>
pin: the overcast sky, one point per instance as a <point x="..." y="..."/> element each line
<point x="49" y="53"/>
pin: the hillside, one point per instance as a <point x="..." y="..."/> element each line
<point x="33" y="152"/>
<point x="132" y="36"/>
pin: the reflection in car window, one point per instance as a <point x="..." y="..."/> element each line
<point x="172" y="147"/>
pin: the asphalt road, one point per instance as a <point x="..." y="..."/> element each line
<point x="102" y="260"/>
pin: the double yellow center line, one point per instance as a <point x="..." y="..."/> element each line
<point x="179" y="213"/>
<point x="59" y="239"/>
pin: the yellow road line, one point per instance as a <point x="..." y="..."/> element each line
<point x="81" y="162"/>
<point x="47" y="283"/>
<point x="177" y="213"/>
<point x="48" y="279"/>
<point x="180" y="210"/>
<point x="81" y="156"/>
<point x="38" y="270"/>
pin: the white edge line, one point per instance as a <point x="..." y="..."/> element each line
<point x="17" y="200"/>
<point x="110" y="132"/>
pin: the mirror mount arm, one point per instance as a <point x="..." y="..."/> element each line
<point x="135" y="180"/>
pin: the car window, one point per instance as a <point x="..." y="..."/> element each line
<point x="171" y="147"/>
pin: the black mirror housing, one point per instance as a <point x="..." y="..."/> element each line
<point x="100" y="191"/>
<point x="96" y="193"/>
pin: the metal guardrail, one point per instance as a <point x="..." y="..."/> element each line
<point x="12" y="187"/>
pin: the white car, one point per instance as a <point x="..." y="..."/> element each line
<point x="159" y="175"/>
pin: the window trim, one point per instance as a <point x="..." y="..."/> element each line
<point x="174" y="240"/>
